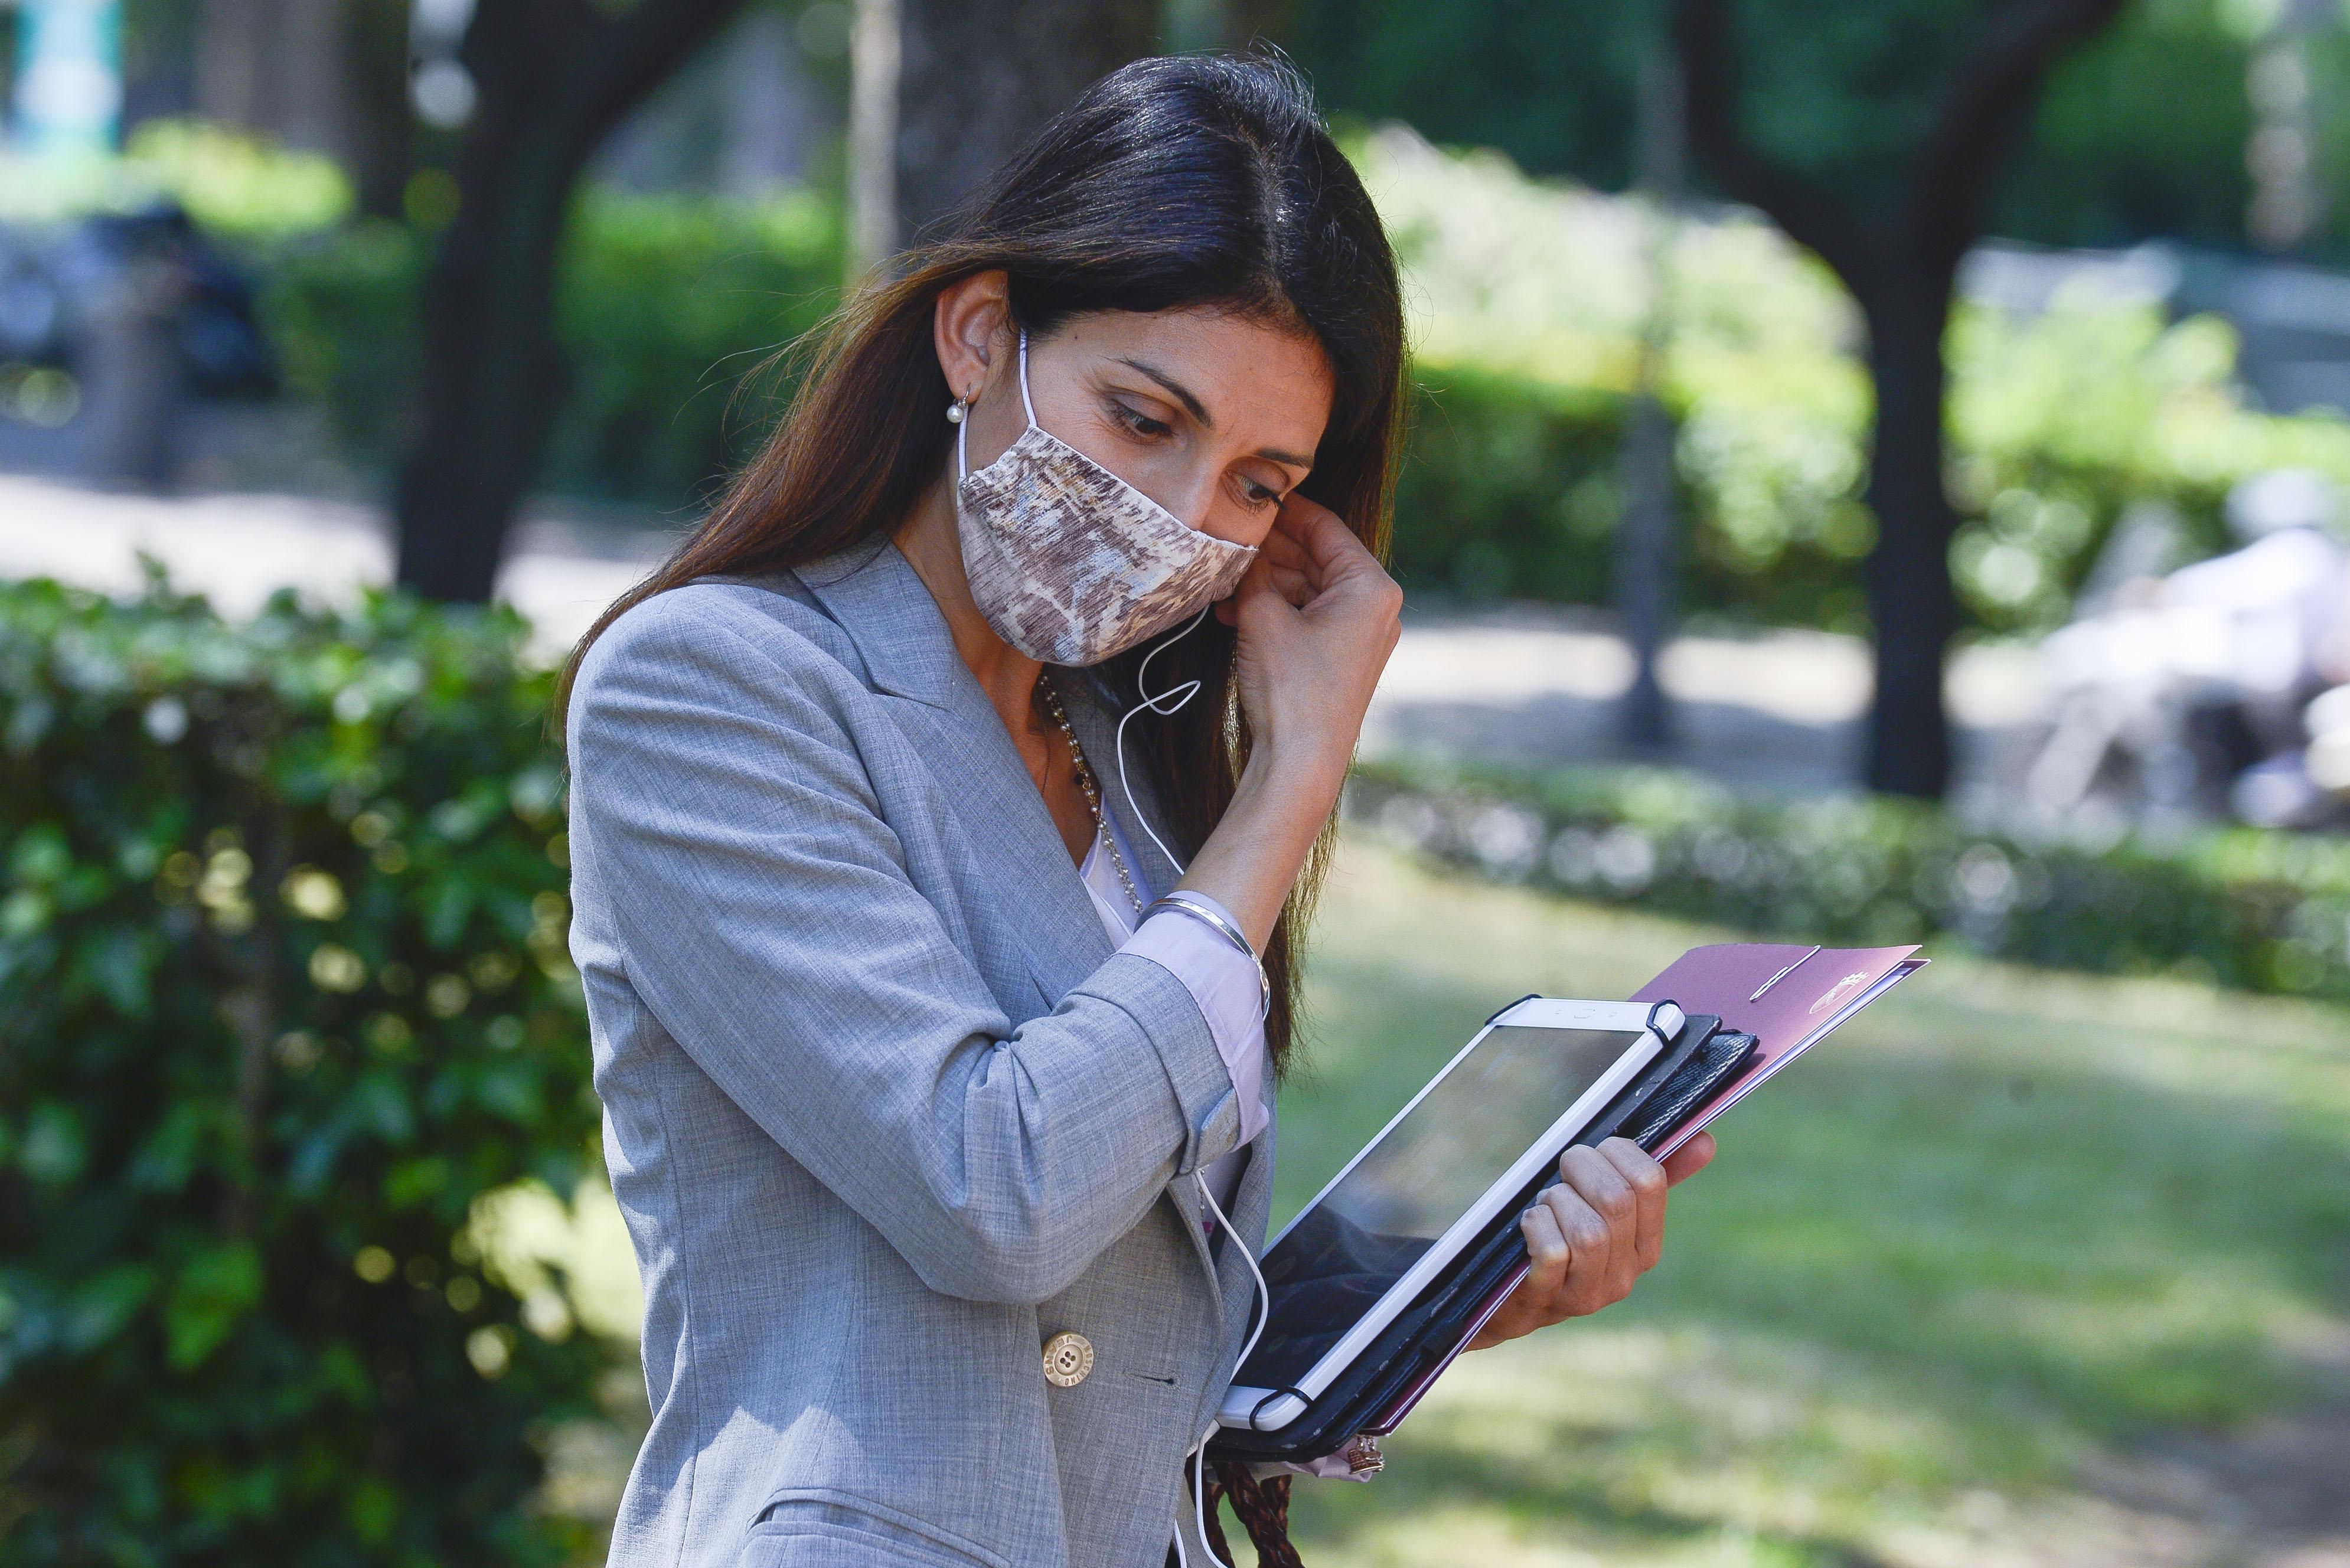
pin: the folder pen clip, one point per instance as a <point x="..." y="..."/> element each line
<point x="1784" y="970"/>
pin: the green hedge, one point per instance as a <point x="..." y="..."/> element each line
<point x="664" y="305"/>
<point x="1512" y="489"/>
<point x="1528" y="304"/>
<point x="2255" y="910"/>
<point x="287" y="998"/>
<point x="285" y="991"/>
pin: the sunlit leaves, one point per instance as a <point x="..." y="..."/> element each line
<point x="284" y="975"/>
<point x="1529" y="302"/>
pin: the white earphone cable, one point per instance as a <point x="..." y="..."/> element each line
<point x="1199" y="1454"/>
<point x="1163" y="703"/>
<point x="1174" y="697"/>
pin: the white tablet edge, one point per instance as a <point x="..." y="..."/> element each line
<point x="1241" y="1401"/>
<point x="1535" y="1012"/>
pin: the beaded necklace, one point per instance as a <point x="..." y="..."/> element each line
<point x="1086" y="785"/>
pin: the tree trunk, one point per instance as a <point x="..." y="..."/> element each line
<point x="1646" y="553"/>
<point x="276" y="67"/>
<point x="233" y="55"/>
<point x="1908" y="575"/>
<point x="977" y="79"/>
<point x="492" y="374"/>
<point x="554" y="77"/>
<point x="876" y="63"/>
<point x="378" y="130"/>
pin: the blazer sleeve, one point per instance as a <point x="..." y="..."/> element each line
<point x="763" y="910"/>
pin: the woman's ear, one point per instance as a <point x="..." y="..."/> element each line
<point x="970" y="326"/>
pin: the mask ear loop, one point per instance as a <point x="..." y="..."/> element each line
<point x="962" y="426"/>
<point x="1025" y="406"/>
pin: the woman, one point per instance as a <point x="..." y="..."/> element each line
<point x="926" y="1112"/>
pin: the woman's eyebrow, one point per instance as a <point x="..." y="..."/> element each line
<point x="1183" y="394"/>
<point x="1199" y="410"/>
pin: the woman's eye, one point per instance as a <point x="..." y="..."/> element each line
<point x="1140" y="423"/>
<point x="1257" y="496"/>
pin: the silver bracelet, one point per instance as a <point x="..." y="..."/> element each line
<point x="1214" y="919"/>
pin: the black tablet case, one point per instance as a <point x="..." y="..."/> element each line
<point x="1372" y="1395"/>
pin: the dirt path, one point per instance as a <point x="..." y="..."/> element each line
<point x="2274" y="1495"/>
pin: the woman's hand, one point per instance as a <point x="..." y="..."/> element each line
<point x="1317" y="618"/>
<point x="1591" y="1236"/>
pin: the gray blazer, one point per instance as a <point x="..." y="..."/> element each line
<point x="883" y="1109"/>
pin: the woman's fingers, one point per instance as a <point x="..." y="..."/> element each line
<point x="1594" y="1179"/>
<point x="1689" y="1159"/>
<point x="1317" y="618"/>
<point x="1590" y="1244"/>
<point x="1282" y="548"/>
<point x="1293" y="585"/>
<point x="1593" y="1234"/>
<point x="1646" y="1180"/>
<point x="1326" y="539"/>
<point x="1546" y="1245"/>
<point x="1256" y="583"/>
<point x="1264" y="577"/>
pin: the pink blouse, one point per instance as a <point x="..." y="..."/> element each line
<point x="1219" y="979"/>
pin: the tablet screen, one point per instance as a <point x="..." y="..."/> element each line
<point x="1425" y="1172"/>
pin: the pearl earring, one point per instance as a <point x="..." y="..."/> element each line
<point x="955" y="413"/>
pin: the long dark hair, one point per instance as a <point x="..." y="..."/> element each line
<point x="1188" y="181"/>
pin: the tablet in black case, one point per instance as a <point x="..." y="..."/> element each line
<point x="1383" y="1382"/>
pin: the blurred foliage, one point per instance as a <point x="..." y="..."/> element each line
<point x="1552" y="86"/>
<point x="1529" y="301"/>
<point x="295" y="1063"/>
<point x="667" y="303"/>
<point x="2239" y="908"/>
<point x="235" y="185"/>
<point x="1533" y="298"/>
<point x="1510" y="489"/>
<point x="2140" y="132"/>
<point x="284" y="966"/>
<point x="1845" y="94"/>
<point x="663" y="303"/>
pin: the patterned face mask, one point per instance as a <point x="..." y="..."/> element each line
<point x="1069" y="563"/>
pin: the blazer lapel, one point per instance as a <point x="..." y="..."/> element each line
<point x="878" y="599"/>
<point x="910" y="656"/>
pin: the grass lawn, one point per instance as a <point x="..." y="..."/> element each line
<point x="2012" y="1270"/>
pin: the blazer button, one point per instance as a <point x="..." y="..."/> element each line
<point x="1068" y="1357"/>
